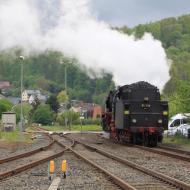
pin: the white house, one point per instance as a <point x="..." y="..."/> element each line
<point x="29" y="96"/>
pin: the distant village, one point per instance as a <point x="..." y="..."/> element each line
<point x="84" y="109"/>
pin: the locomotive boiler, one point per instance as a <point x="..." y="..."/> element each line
<point x="135" y="113"/>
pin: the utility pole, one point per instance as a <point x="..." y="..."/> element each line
<point x="21" y="90"/>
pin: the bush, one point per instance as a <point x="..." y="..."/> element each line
<point x="5" y="105"/>
<point x="70" y="115"/>
<point x="43" y="115"/>
<point x="26" y="109"/>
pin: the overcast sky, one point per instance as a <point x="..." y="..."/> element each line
<point x="134" y="12"/>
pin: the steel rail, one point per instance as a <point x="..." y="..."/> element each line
<point x="174" y="149"/>
<point x="26" y="154"/>
<point x="174" y="153"/>
<point x="161" y="151"/>
<point x="119" y="182"/>
<point x="172" y="181"/>
<point x="22" y="168"/>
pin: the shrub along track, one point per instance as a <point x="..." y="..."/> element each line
<point x="156" y="175"/>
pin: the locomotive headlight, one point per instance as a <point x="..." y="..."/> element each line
<point x="165" y="113"/>
<point x="160" y="121"/>
<point x="126" y="112"/>
<point x="134" y="120"/>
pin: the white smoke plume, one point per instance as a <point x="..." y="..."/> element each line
<point x="70" y="26"/>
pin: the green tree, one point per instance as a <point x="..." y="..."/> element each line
<point x="26" y="111"/>
<point x="68" y="116"/>
<point x="54" y="104"/>
<point x="43" y="115"/>
<point x="62" y="97"/>
<point x="5" y="105"/>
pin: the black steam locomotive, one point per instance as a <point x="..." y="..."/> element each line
<point x="135" y="113"/>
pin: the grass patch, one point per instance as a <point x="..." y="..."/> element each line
<point x="14" y="136"/>
<point x="87" y="128"/>
<point x="178" y="140"/>
<point x="74" y="128"/>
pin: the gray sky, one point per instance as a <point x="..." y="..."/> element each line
<point x="134" y="12"/>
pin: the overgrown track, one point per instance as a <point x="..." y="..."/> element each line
<point x="32" y="164"/>
<point x="172" y="182"/>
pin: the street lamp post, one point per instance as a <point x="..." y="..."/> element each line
<point x="21" y="89"/>
<point x="61" y="62"/>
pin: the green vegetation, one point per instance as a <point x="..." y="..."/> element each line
<point x="5" y="105"/>
<point x="174" y="33"/>
<point x="14" y="136"/>
<point x="46" y="72"/>
<point x="68" y="116"/>
<point x="43" y="115"/>
<point x="87" y="128"/>
<point x="178" y="140"/>
<point x="62" y="97"/>
<point x="74" y="128"/>
<point x="26" y="111"/>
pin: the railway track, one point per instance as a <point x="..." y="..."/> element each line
<point x="28" y="153"/>
<point x="151" y="179"/>
<point x="162" y="150"/>
<point x="67" y="146"/>
<point x="174" y="149"/>
<point x="166" y="151"/>
<point x="123" y="173"/>
<point x="30" y="159"/>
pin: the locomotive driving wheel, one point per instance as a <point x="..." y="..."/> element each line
<point x="150" y="140"/>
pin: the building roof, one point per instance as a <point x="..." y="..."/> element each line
<point x="32" y="92"/>
<point x="39" y="96"/>
<point x="8" y="113"/>
<point x="14" y="100"/>
<point x="4" y="84"/>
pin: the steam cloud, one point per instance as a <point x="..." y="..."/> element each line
<point x="70" y="26"/>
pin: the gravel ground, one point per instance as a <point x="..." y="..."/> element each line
<point x="10" y="149"/>
<point x="182" y="147"/>
<point x="80" y="176"/>
<point x="23" y="161"/>
<point x="137" y="179"/>
<point x="163" y="164"/>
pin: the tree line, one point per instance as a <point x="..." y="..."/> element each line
<point x="46" y="72"/>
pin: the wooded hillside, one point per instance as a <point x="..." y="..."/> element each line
<point x="46" y="72"/>
<point x="174" y="33"/>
